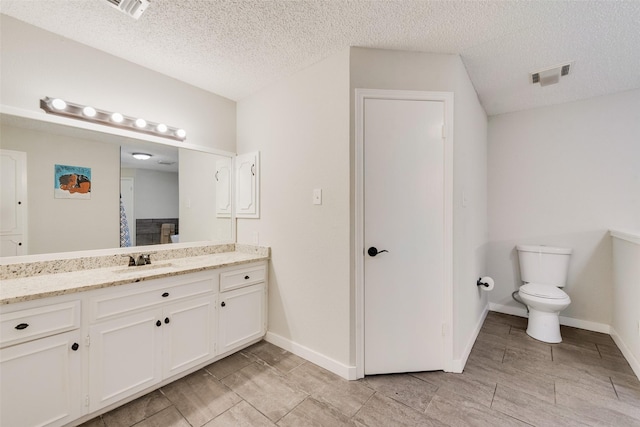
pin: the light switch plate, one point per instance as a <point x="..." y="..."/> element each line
<point x="317" y="196"/>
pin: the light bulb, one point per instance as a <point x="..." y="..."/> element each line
<point x="58" y="104"/>
<point x="89" y="111"/>
<point x="161" y="128"/>
<point x="181" y="133"/>
<point x="141" y="123"/>
<point x="117" y="117"/>
<point x="141" y="156"/>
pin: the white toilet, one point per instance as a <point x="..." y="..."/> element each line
<point x="543" y="270"/>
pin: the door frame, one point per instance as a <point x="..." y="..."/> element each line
<point x="359" y="245"/>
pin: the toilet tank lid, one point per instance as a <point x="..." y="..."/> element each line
<point x="544" y="249"/>
<point x="543" y="291"/>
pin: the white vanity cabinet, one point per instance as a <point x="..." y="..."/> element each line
<point x="145" y="333"/>
<point x="242" y="315"/>
<point x="40" y="363"/>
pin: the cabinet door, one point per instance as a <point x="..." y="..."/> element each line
<point x="125" y="357"/>
<point x="188" y="334"/>
<point x="223" y="188"/>
<point x="40" y="381"/>
<point x="247" y="185"/>
<point x="241" y="317"/>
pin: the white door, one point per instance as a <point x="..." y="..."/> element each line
<point x="13" y="201"/>
<point x="404" y="215"/>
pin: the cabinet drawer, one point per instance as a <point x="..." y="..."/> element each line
<point x="238" y="278"/>
<point x="25" y="325"/>
<point x="117" y="302"/>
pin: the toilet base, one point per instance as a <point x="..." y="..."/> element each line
<point x="544" y="326"/>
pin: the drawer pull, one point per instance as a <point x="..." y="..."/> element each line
<point x="222" y="304"/>
<point x="22" y="326"/>
<point x="158" y="323"/>
<point x="166" y="320"/>
<point x="75" y="346"/>
<point x="166" y="294"/>
<point x="246" y="277"/>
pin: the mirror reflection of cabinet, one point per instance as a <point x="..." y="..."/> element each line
<point x="248" y="185"/>
<point x="13" y="203"/>
<point x="223" y="188"/>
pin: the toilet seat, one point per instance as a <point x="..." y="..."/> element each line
<point x="543" y="291"/>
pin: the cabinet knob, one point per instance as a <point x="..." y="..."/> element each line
<point x="246" y="277"/>
<point x="222" y="304"/>
<point x="22" y="326"/>
<point x="166" y="294"/>
<point x="166" y="320"/>
<point x="158" y="323"/>
<point x="75" y="346"/>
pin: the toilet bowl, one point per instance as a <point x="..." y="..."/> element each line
<point x="545" y="302"/>
<point x="543" y="270"/>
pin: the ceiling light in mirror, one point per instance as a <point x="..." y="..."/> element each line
<point x="141" y="156"/>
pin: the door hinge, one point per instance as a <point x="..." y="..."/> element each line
<point x="87" y="341"/>
<point x="444" y="131"/>
<point x="86" y="400"/>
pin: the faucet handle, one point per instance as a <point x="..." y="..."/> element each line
<point x="132" y="260"/>
<point x="146" y="258"/>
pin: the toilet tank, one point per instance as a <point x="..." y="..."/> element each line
<point x="546" y="265"/>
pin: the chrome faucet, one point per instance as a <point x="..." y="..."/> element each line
<point x="142" y="259"/>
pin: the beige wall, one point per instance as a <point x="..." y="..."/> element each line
<point x="60" y="225"/>
<point x="300" y="125"/>
<point x="36" y="63"/>
<point x="564" y="175"/>
<point x="388" y="69"/>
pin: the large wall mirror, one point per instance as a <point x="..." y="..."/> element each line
<point x="174" y="196"/>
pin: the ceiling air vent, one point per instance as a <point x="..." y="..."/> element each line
<point x="133" y="8"/>
<point x="550" y="76"/>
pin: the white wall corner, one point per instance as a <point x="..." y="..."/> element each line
<point x="338" y="368"/>
<point x="628" y="354"/>
<point x="459" y="364"/>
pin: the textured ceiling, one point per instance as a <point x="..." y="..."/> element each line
<point x="235" y="48"/>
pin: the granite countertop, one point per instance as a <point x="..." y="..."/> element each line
<point x="21" y="289"/>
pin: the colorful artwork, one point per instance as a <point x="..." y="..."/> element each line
<point x="72" y="182"/>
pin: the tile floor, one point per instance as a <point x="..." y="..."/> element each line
<point x="510" y="380"/>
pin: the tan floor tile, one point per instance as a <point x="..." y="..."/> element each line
<point x="136" y="410"/>
<point x="200" y="397"/>
<point x="266" y="389"/>
<point x="381" y="411"/>
<point x="275" y="357"/>
<point x="462" y="412"/>
<point x="403" y="388"/>
<point x="169" y="417"/>
<point x="324" y="386"/>
<point x="241" y="415"/>
<point x="312" y="413"/>
<point x="230" y="364"/>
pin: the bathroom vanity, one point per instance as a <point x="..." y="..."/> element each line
<point x="76" y="342"/>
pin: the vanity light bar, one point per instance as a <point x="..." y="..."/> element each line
<point x="90" y="114"/>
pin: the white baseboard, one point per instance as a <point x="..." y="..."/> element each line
<point x="458" y="364"/>
<point x="631" y="358"/>
<point x="566" y="321"/>
<point x="345" y="371"/>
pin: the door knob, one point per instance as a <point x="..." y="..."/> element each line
<point x="373" y="251"/>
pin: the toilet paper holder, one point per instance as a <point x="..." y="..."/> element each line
<point x="481" y="283"/>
